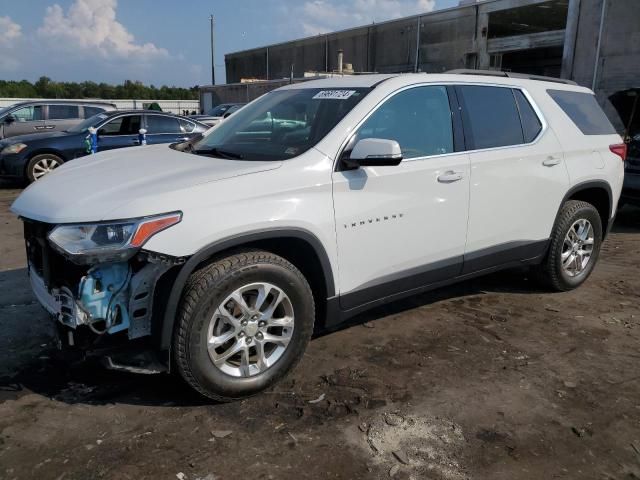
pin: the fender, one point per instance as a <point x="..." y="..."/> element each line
<point x="168" y="319"/>
<point x="592" y="184"/>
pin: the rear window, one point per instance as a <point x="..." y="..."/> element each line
<point x="161" y="124"/>
<point x="91" y="111"/>
<point x="583" y="109"/>
<point x="491" y="117"/>
<point x="63" y="112"/>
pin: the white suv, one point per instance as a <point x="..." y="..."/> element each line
<point x="311" y="204"/>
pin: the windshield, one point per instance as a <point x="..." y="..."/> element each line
<point x="5" y="110"/>
<point x="219" y="110"/>
<point x="89" y="122"/>
<point x="281" y="124"/>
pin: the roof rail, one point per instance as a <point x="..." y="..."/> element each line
<point x="500" y="73"/>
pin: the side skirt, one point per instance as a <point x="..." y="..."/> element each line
<point x="475" y="264"/>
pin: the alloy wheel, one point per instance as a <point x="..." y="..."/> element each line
<point x="577" y="248"/>
<point x="250" y="330"/>
<point x="44" y="166"/>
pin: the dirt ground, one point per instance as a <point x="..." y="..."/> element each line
<point x="490" y="379"/>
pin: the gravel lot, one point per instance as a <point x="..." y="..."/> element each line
<point x="491" y="379"/>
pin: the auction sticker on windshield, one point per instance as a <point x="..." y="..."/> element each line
<point x="333" y="94"/>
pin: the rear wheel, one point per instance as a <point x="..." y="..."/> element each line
<point x="42" y="164"/>
<point x="244" y="323"/>
<point x="575" y="246"/>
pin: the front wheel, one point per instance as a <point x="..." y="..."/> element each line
<point x="42" y="164"/>
<point x="244" y="323"/>
<point x="574" y="248"/>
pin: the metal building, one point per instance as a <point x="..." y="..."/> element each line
<point x="594" y="42"/>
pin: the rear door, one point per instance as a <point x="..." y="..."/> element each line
<point x="61" y="117"/>
<point x="120" y="132"/>
<point x="26" y="119"/>
<point x="164" y="129"/>
<point x="518" y="176"/>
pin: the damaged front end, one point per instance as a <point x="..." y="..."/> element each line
<point x="102" y="287"/>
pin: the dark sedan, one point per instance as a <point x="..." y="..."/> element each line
<point x="29" y="157"/>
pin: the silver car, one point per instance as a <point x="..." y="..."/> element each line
<point x="41" y="116"/>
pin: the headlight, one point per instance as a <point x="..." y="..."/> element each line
<point x="110" y="241"/>
<point x="15" y="148"/>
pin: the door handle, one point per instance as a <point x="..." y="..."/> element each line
<point x="450" y="177"/>
<point x="551" y="161"/>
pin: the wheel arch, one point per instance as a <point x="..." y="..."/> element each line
<point x="300" y="247"/>
<point x="599" y="194"/>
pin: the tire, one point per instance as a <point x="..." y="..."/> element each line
<point x="208" y="312"/>
<point x="551" y="271"/>
<point x="40" y="165"/>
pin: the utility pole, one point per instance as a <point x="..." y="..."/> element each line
<point x="213" y="68"/>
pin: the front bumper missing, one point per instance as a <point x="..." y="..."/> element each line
<point x="135" y="298"/>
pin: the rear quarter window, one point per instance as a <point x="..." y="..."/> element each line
<point x="583" y="110"/>
<point x="531" y="125"/>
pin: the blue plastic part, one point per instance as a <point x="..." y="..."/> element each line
<point x="104" y="292"/>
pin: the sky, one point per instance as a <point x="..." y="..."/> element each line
<point x="164" y="42"/>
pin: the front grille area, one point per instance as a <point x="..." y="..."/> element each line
<point x="52" y="267"/>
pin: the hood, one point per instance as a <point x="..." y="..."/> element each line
<point x="33" y="137"/>
<point x="94" y="188"/>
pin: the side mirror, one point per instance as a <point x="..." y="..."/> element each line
<point x="9" y="119"/>
<point x="374" y="152"/>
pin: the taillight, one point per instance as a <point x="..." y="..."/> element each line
<point x="619" y="149"/>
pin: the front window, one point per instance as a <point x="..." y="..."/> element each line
<point x="419" y="119"/>
<point x="281" y="124"/>
<point x="127" y="125"/>
<point x="28" y="114"/>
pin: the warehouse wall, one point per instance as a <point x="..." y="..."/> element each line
<point x="444" y="40"/>
<point x="618" y="67"/>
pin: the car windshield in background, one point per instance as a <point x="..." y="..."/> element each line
<point x="5" y="110"/>
<point x="89" y="122"/>
<point x="281" y="124"/>
<point x="219" y="110"/>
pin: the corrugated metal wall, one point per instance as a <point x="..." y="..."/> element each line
<point x="443" y="40"/>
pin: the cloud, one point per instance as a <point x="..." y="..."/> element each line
<point x="10" y="36"/>
<point x="9" y="31"/>
<point x="91" y="25"/>
<point x="323" y="16"/>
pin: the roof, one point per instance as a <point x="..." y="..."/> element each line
<point x="140" y="111"/>
<point x="400" y="79"/>
<point x="66" y="102"/>
<point x="346" y="81"/>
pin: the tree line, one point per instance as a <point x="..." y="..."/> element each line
<point x="47" y="88"/>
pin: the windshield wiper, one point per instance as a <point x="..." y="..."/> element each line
<point x="216" y="152"/>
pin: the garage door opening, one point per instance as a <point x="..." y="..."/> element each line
<point x="537" y="61"/>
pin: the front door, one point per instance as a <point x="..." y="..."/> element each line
<point x="26" y="120"/>
<point x="403" y="227"/>
<point x="120" y="132"/>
